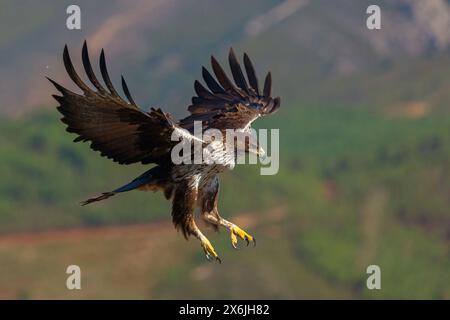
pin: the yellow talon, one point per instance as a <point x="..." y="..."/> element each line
<point x="236" y="232"/>
<point x="209" y="250"/>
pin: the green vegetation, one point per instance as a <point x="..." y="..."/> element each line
<point x="356" y="188"/>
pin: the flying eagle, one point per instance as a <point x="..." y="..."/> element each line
<point x="123" y="132"/>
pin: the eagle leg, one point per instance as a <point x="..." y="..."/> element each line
<point x="235" y="231"/>
<point x="207" y="247"/>
<point x="183" y="217"/>
<point x="210" y="213"/>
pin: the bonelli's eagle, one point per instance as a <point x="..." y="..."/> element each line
<point x="123" y="132"/>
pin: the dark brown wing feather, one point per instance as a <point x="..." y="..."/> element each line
<point x="228" y="105"/>
<point x="118" y="129"/>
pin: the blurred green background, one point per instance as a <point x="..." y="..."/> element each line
<point x="364" y="146"/>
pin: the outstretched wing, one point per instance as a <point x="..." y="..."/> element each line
<point x="118" y="129"/>
<point x="228" y="105"/>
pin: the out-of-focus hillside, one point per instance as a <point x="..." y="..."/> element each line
<point x="354" y="189"/>
<point x="318" y="50"/>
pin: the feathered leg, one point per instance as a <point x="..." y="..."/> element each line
<point x="210" y="213"/>
<point x="183" y="206"/>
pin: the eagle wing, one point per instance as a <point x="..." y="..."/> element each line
<point x="228" y="105"/>
<point x="118" y="129"/>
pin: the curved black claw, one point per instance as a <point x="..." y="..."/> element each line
<point x="210" y="258"/>
<point x="248" y="241"/>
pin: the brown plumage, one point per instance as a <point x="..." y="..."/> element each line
<point x="121" y="131"/>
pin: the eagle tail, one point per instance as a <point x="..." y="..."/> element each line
<point x="103" y="196"/>
<point x="151" y="176"/>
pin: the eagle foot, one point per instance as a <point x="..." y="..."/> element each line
<point x="210" y="253"/>
<point x="236" y="233"/>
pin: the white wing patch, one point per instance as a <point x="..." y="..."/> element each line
<point x="185" y="134"/>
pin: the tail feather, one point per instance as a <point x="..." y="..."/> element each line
<point x="103" y="196"/>
<point x="154" y="175"/>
